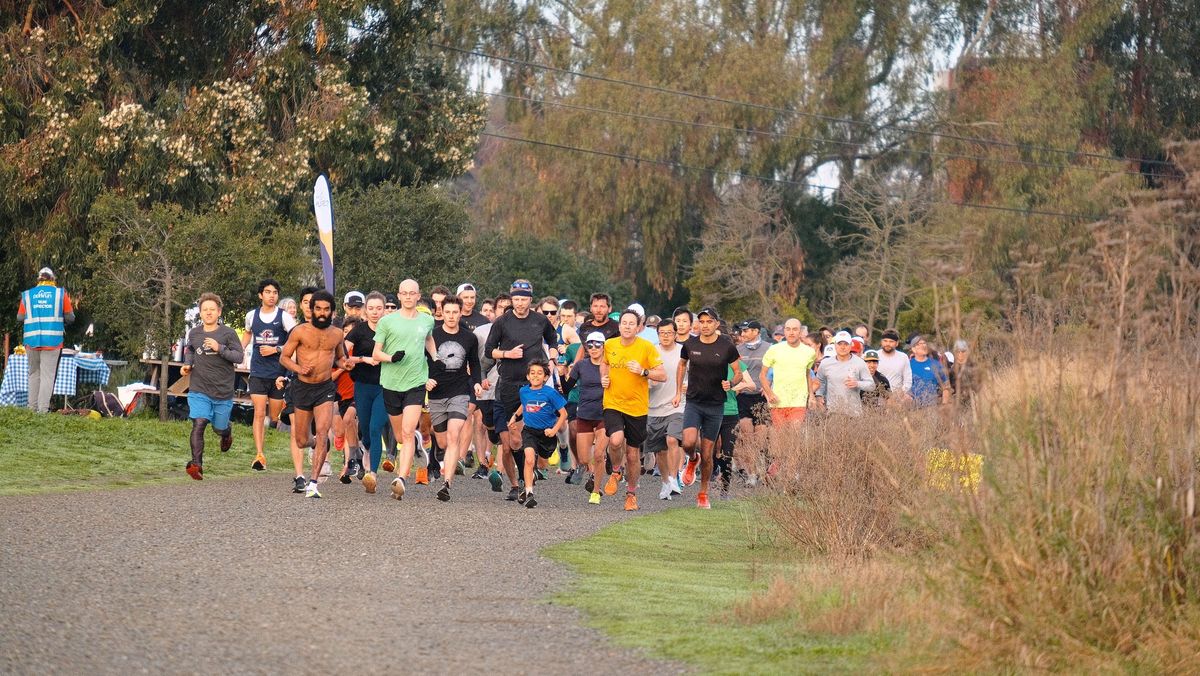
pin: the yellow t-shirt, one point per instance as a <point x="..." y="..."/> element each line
<point x="629" y="392"/>
<point x="789" y="376"/>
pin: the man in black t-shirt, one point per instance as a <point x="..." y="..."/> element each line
<point x="518" y="337"/>
<point x="453" y="378"/>
<point x="704" y="361"/>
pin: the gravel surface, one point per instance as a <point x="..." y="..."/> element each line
<point x="242" y="576"/>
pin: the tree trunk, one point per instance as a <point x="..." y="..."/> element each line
<point x="165" y="353"/>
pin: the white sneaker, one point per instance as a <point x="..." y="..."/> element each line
<point x="325" y="471"/>
<point x="397" y="488"/>
<point x="665" y="492"/>
<point x="311" y="491"/>
<point x="673" y="482"/>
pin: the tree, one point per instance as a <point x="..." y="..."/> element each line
<point x="389" y="232"/>
<point x="152" y="264"/>
<point x="211" y="104"/>
<point x="750" y="262"/>
<point x="551" y="268"/>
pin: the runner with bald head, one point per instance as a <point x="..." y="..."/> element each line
<point x="789" y="363"/>
<point x="400" y="339"/>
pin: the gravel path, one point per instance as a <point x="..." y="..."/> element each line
<point x="242" y="576"/>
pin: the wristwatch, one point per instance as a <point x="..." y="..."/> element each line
<point x="645" y="372"/>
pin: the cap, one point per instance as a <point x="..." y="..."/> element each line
<point x="595" y="337"/>
<point x="391" y="299"/>
<point x="710" y="311"/>
<point x="949" y="357"/>
<point x="521" y="288"/>
<point x="354" y="299"/>
<point x="843" y="337"/>
<point x="637" y="307"/>
<point x="45" y="273"/>
<point x="466" y="286"/>
<point x="870" y="355"/>
<point x="752" y="324"/>
<point x="890" y="334"/>
<point x="778" y="330"/>
<point x="830" y="351"/>
<point x="653" y="321"/>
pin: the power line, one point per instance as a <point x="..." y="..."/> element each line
<point x="827" y="118"/>
<point x="785" y="135"/>
<point x="765" y="179"/>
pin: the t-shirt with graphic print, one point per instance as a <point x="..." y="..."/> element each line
<point x="457" y="368"/>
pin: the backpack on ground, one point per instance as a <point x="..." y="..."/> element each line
<point x="107" y="404"/>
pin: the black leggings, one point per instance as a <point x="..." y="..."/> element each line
<point x="723" y="461"/>
<point x="198" y="425"/>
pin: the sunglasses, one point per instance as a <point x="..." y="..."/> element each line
<point x="389" y="306"/>
<point x="550" y="312"/>
<point x="593" y="343"/>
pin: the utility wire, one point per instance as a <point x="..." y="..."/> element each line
<point x="828" y="118"/>
<point x="765" y="179"/>
<point x="785" y="135"/>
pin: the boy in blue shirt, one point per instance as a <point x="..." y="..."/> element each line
<point x="545" y="413"/>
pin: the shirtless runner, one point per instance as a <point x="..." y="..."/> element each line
<point x="310" y="352"/>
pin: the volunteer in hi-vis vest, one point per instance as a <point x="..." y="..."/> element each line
<point x="45" y="309"/>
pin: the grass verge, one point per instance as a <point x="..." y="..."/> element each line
<point x="709" y="589"/>
<point x="52" y="453"/>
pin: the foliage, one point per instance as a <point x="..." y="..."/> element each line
<point x="750" y="263"/>
<point x="91" y="454"/>
<point x="389" y="232"/>
<point x="211" y="104"/>
<point x="551" y="267"/>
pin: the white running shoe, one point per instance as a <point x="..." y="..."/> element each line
<point x="311" y="491"/>
<point x="673" y="482"/>
<point x="665" y="492"/>
<point x="398" y="488"/>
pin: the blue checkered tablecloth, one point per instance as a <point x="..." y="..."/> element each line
<point x="72" y="371"/>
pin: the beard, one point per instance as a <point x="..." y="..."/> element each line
<point x="888" y="350"/>
<point x="322" y="322"/>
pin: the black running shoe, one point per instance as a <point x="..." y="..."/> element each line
<point x="345" y="477"/>
<point x="512" y="494"/>
<point x="521" y="496"/>
<point x="480" y="473"/>
<point x="443" y="493"/>
<point x="540" y="474"/>
<point x="299" y="484"/>
<point x="359" y="470"/>
<point x="530" y="502"/>
<point x="590" y="484"/>
<point x="434" y="475"/>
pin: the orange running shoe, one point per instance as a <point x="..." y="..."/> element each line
<point x="610" y="488"/>
<point x="260" y="463"/>
<point x="195" y="471"/>
<point x="702" y="501"/>
<point x="422" y="476"/>
<point x="631" y="502"/>
<point x="387" y="465"/>
<point x="689" y="472"/>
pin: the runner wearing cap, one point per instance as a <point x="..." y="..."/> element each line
<point x="517" y="338"/>
<point x="753" y="410"/>
<point x="352" y="305"/>
<point x="471" y="318"/>
<point x="703" y="360"/>
<point x="842" y="379"/>
<point x="584" y="383"/>
<point x="878" y="397"/>
<point x="632" y="364"/>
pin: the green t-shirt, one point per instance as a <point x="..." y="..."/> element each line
<point x="730" y="395"/>
<point x="395" y="333"/>
<point x="572" y="350"/>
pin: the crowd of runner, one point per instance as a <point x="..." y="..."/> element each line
<point x="519" y="388"/>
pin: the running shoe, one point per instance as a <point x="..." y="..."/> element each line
<point x="422" y="476"/>
<point x="590" y="484"/>
<point x="521" y="495"/>
<point x="665" y="492"/>
<point x="594" y="499"/>
<point x="674" y="483"/>
<point x="356" y="469"/>
<point x="227" y="442"/>
<point x="689" y="472"/>
<point x="398" y="488"/>
<point x="260" y="463"/>
<point x="530" y="502"/>
<point x="434" y="474"/>
<point x="702" y="501"/>
<point x="631" y="502"/>
<point x="540" y="474"/>
<point x="480" y="473"/>
<point x="610" y="487"/>
<point x="460" y="469"/>
<point x="311" y="491"/>
<point x="443" y="493"/>
<point x="512" y="494"/>
<point x="325" y="469"/>
<point x="369" y="482"/>
<point x="299" y="484"/>
<point x="495" y="480"/>
<point x="387" y="465"/>
<point x="195" y="471"/>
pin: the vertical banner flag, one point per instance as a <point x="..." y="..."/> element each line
<point x="323" y="206"/>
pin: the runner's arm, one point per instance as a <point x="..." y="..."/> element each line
<point x="289" y="349"/>
<point x="232" y="351"/>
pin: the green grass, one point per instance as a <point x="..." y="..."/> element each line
<point x="52" y="453"/>
<point x="667" y="582"/>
